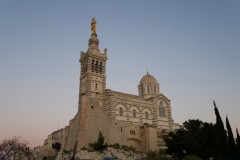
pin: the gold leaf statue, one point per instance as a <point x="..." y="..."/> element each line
<point x="93" y="26"/>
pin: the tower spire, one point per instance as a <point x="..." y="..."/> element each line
<point x="93" y="42"/>
<point x="94" y="27"/>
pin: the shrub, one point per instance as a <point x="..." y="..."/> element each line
<point x="83" y="148"/>
<point x="126" y="148"/>
<point x="152" y="155"/>
<point x="115" y="146"/>
<point x="99" y="145"/>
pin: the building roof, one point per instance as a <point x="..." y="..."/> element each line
<point x="148" y="79"/>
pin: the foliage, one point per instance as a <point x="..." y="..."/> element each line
<point x="163" y="158"/>
<point x="231" y="141"/>
<point x="221" y="134"/>
<point x="238" y="143"/>
<point x="84" y="148"/>
<point x="196" y="138"/>
<point x="191" y="158"/>
<point x="233" y="158"/>
<point x="152" y="155"/>
<point x="204" y="140"/>
<point x="126" y="148"/>
<point x="161" y="154"/>
<point x="65" y="152"/>
<point x="12" y="147"/>
<point x="56" y="145"/>
<point x="99" y="145"/>
<point x="115" y="146"/>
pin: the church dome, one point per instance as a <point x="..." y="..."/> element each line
<point x="148" y="79"/>
<point x="148" y="86"/>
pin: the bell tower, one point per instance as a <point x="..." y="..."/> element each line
<point x="93" y="69"/>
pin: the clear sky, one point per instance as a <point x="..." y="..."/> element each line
<point x="191" y="47"/>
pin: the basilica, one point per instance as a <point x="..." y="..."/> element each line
<point x="141" y="121"/>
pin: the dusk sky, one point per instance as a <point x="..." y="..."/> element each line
<point x="191" y="47"/>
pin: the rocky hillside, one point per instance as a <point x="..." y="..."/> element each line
<point x="109" y="152"/>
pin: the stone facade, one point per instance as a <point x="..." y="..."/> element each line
<point x="140" y="121"/>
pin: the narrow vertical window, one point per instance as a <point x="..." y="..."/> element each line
<point x="96" y="86"/>
<point x="160" y="112"/>
<point x="134" y="114"/>
<point x="100" y="68"/>
<point x="96" y="67"/>
<point x="92" y="66"/>
<point x="83" y="67"/>
<point x="146" y="116"/>
<point x="121" y="112"/>
<point x="142" y="90"/>
<point x="82" y="70"/>
<point x="148" y="89"/>
<point x="86" y="68"/>
<point x="155" y="91"/>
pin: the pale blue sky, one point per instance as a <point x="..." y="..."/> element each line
<point x="191" y="47"/>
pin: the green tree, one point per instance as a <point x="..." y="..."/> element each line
<point x="238" y="143"/>
<point x="99" y="145"/>
<point x="231" y="141"/>
<point x="175" y="143"/>
<point x="208" y="141"/>
<point x="160" y="154"/>
<point x="151" y="155"/>
<point x="196" y="138"/>
<point x="221" y="135"/>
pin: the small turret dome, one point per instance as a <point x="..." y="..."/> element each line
<point x="148" y="79"/>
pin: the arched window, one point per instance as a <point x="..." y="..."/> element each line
<point x="148" y="89"/>
<point x="162" y="112"/>
<point x="96" y="86"/>
<point x="142" y="90"/>
<point x="146" y="116"/>
<point x="134" y="114"/>
<point x="155" y="90"/>
<point x="121" y="112"/>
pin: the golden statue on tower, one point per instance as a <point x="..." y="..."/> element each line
<point x="94" y="26"/>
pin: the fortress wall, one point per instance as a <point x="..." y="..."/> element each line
<point x="93" y="120"/>
<point x="45" y="150"/>
<point x="144" y="139"/>
<point x="152" y="139"/>
<point x="72" y="133"/>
